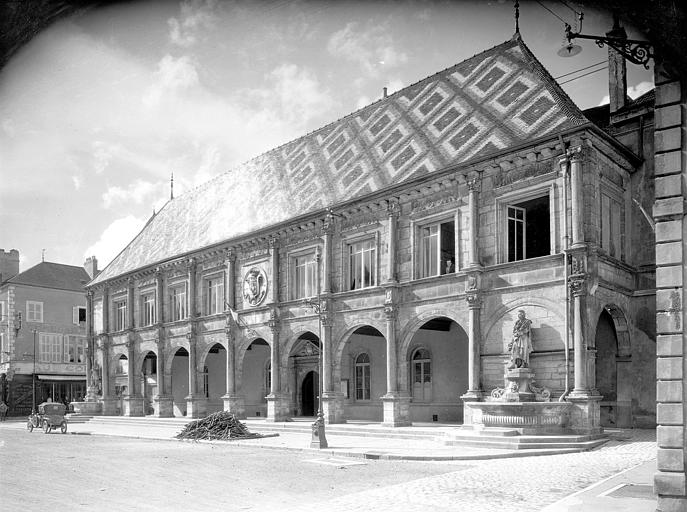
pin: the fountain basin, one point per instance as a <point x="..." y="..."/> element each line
<point x="527" y="418"/>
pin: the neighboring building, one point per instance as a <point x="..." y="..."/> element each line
<point x="43" y="315"/>
<point x="426" y="221"/>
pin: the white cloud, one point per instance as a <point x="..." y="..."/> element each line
<point x="633" y="92"/>
<point x="137" y="192"/>
<point x="172" y="75"/>
<point x="196" y="17"/>
<point x="363" y="101"/>
<point x="77" y="182"/>
<point x="372" y="47"/>
<point x="114" y="238"/>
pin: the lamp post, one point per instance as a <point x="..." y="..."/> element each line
<point x="319" y="439"/>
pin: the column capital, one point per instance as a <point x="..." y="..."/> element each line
<point x="577" y="285"/>
<point x="328" y="224"/>
<point x="130" y="341"/>
<point x="393" y="209"/>
<point x="474" y="182"/>
<point x="103" y="341"/>
<point x="130" y="281"/>
<point x="474" y="300"/>
<point x="273" y="242"/>
<point x="575" y="154"/>
<point x="230" y="254"/>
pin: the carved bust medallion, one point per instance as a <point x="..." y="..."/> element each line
<point x="255" y="286"/>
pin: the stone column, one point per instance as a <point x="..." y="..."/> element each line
<point x="106" y="309"/>
<point x="394" y="211"/>
<point x="274" y="250"/>
<point x="196" y="405"/>
<point x="91" y="391"/>
<point x="130" y="303"/>
<point x="192" y="289"/>
<point x="396" y="405"/>
<point x="163" y="402"/>
<point x="133" y="402"/>
<point x="230" y="290"/>
<point x="277" y="402"/>
<point x="474" y="186"/>
<point x="109" y="407"/>
<point x="474" y="343"/>
<point x="159" y="299"/>
<point x="577" y="197"/>
<point x="233" y="402"/>
<point x="328" y="230"/>
<point x="586" y="414"/>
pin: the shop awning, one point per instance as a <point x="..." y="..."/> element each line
<point x="61" y="377"/>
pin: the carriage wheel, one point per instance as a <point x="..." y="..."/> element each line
<point x="46" y="426"/>
<point x="29" y="426"/>
<point x="63" y="427"/>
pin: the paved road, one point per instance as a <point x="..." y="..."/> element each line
<point x="74" y="472"/>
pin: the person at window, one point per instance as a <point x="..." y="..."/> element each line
<point x="520" y="345"/>
<point x="450" y="268"/>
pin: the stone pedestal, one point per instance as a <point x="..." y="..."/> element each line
<point x="109" y="406"/>
<point x="278" y="407"/>
<point x="396" y="410"/>
<point x="470" y="396"/>
<point x="585" y="414"/>
<point x="163" y="406"/>
<point x="333" y="407"/>
<point x="517" y="385"/>
<point x="87" y="408"/>
<point x="196" y="407"/>
<point x="134" y="406"/>
<point x="236" y="405"/>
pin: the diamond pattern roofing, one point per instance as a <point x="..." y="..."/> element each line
<point x="497" y="99"/>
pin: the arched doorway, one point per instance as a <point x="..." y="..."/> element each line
<point x="255" y="384"/>
<point x="179" y="381"/>
<point x="149" y="381"/>
<point x="613" y="370"/>
<point x="437" y="361"/>
<point x="363" y="374"/>
<point x="310" y="394"/>
<point x="304" y="360"/>
<point x="214" y="384"/>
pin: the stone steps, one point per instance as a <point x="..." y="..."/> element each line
<point x="485" y="439"/>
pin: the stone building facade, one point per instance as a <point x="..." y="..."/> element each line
<point x="397" y="244"/>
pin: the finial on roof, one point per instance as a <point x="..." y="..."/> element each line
<point x="43" y="255"/>
<point x="171" y="187"/>
<point x="517" y="16"/>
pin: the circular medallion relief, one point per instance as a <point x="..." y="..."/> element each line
<point x="255" y="286"/>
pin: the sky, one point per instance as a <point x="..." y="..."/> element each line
<point x="98" y="110"/>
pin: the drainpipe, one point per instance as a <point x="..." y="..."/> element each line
<point x="566" y="338"/>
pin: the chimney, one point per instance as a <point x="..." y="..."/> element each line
<point x="385" y="93"/>
<point x="617" y="70"/>
<point x="91" y="266"/>
<point x="9" y="264"/>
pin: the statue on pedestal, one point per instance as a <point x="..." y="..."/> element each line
<point x="520" y="345"/>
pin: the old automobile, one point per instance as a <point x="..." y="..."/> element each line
<point x="50" y="416"/>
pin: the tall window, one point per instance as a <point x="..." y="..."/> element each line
<point x="528" y="229"/>
<point x="34" y="311"/>
<point x="4" y="349"/>
<point x="122" y="365"/>
<point x="178" y="303"/>
<point x="120" y="315"/>
<point x="148" y="309"/>
<point x="422" y="375"/>
<point x="363" y="264"/>
<point x="50" y="348"/>
<point x="78" y="315"/>
<point x="214" y="302"/>
<point x="438" y="249"/>
<point x="362" y="377"/>
<point x="74" y="349"/>
<point x="304" y="277"/>
<point x="612" y="226"/>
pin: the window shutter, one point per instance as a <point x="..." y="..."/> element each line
<point x="75" y="315"/>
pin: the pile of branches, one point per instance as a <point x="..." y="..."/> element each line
<point x="220" y="425"/>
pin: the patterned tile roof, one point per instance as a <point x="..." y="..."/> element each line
<point x="494" y="100"/>
<point x="53" y="275"/>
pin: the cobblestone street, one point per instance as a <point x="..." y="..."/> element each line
<point x="79" y="472"/>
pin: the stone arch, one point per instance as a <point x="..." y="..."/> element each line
<point x="622" y="330"/>
<point x="413" y="325"/>
<point x="293" y="340"/>
<point x="526" y="303"/>
<point x="337" y="353"/>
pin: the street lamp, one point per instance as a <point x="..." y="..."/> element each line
<point x="33" y="375"/>
<point x="319" y="439"/>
